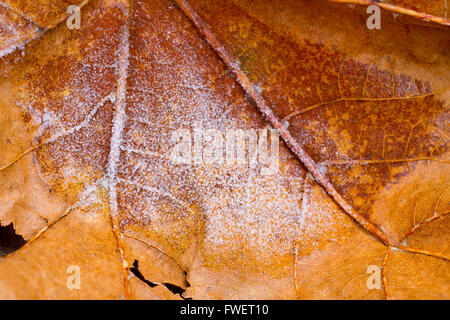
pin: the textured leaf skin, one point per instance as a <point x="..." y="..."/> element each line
<point x="85" y="136"/>
<point x="22" y="21"/>
<point x="427" y="10"/>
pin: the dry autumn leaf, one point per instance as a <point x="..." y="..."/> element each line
<point x="137" y="158"/>
<point x="427" y="10"/>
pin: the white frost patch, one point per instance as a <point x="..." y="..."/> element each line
<point x="48" y="119"/>
<point x="11" y="49"/>
<point x="266" y="215"/>
<point x="118" y="121"/>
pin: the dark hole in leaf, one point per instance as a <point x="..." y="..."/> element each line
<point x="10" y="241"/>
<point x="173" y="288"/>
<point x="139" y="275"/>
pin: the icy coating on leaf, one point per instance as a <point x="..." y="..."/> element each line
<point x="103" y="103"/>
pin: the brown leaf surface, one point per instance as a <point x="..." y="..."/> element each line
<point x="24" y="20"/>
<point x="38" y="271"/>
<point x="85" y="139"/>
<point x="427" y="10"/>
